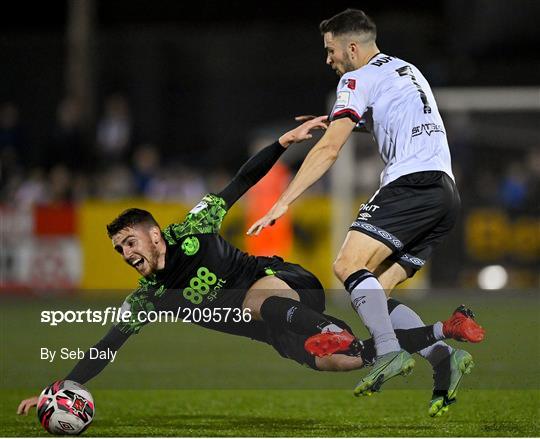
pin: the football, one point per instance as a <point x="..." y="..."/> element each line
<point x="66" y="408"/>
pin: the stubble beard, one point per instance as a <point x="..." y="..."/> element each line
<point x="348" y="66"/>
<point x="154" y="258"/>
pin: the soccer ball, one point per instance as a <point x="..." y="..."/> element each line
<point x="65" y="407"/>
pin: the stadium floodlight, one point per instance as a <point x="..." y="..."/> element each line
<point x="492" y="277"/>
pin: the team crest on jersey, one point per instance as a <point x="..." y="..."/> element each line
<point x="190" y="245"/>
<point x="342" y="99"/>
<point x="351" y="83"/>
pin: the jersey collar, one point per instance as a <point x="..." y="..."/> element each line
<point x="377" y="54"/>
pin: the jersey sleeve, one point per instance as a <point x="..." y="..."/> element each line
<point x="352" y="97"/>
<point x="87" y="368"/>
<point x="251" y="173"/>
<point x="205" y="218"/>
<point x="134" y="310"/>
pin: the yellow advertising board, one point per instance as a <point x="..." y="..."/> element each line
<point x="104" y="272"/>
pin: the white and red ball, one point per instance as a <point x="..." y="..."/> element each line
<point x="65" y="407"/>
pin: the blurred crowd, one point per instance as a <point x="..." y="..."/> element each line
<point x="72" y="163"/>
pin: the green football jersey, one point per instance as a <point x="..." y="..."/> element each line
<point x="202" y="270"/>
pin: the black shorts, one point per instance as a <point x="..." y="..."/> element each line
<point x="287" y="343"/>
<point x="305" y="283"/>
<point x="411" y="215"/>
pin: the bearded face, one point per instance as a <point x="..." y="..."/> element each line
<point x="138" y="246"/>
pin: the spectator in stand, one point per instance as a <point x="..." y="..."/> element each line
<point x="513" y="188"/>
<point x="28" y="192"/>
<point x="145" y="167"/>
<point x="66" y="145"/>
<point x="533" y="168"/>
<point x="259" y="199"/>
<point x="10" y="130"/>
<point x="11" y="143"/>
<point x="115" y="130"/>
<point x="60" y="188"/>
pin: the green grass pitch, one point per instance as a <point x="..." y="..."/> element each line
<point x="334" y="413"/>
<point x="181" y="380"/>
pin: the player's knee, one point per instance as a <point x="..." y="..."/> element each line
<point x="314" y="298"/>
<point x="253" y="311"/>
<point x="253" y="304"/>
<point x="338" y="363"/>
<point x="343" y="267"/>
<point x="260" y="292"/>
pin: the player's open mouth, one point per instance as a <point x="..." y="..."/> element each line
<point x="137" y="263"/>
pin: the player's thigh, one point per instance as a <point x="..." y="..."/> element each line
<point x="305" y="283"/>
<point x="358" y="251"/>
<point x="416" y="253"/>
<point x="399" y="214"/>
<point x="264" y="288"/>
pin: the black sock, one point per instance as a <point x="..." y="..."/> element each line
<point x="282" y="312"/>
<point x="392" y="304"/>
<point x="441" y="377"/>
<point x="369" y="354"/>
<point x="412" y="340"/>
<point x="355" y="278"/>
<point x="416" y="339"/>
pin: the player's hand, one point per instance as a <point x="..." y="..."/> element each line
<point x="303" y="132"/>
<point x="26" y="405"/>
<point x="268" y="220"/>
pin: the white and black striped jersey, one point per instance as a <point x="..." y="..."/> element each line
<point x="391" y="99"/>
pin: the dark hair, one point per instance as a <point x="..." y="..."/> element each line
<point x="349" y="21"/>
<point x="129" y="218"/>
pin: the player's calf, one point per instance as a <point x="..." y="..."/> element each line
<point x="448" y="377"/>
<point x="339" y="363"/>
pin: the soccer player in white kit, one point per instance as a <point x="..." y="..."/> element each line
<point x="417" y="202"/>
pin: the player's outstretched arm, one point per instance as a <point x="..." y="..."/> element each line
<point x="321" y="157"/>
<point x="259" y="165"/>
<point x="87" y="368"/>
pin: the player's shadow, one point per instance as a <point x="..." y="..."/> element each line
<point x="210" y="424"/>
<point x="235" y="425"/>
<point x="205" y="422"/>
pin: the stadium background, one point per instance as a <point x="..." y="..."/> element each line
<point x="106" y="105"/>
